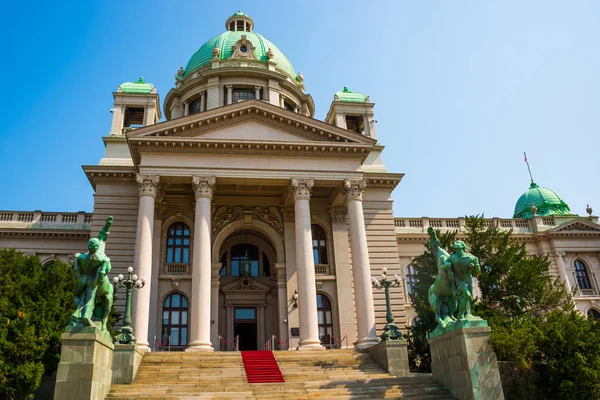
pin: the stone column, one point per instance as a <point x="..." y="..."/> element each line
<point x="305" y="265"/>
<point x="343" y="273"/>
<point x="201" y="266"/>
<point x="117" y="120"/>
<point x="562" y="270"/>
<point x="361" y="267"/>
<point x="257" y="92"/>
<point x="142" y="261"/>
<point x="229" y="94"/>
<point x="202" y="101"/>
<point x="186" y="108"/>
<point x="282" y="301"/>
<point x="155" y="307"/>
<point x="214" y="304"/>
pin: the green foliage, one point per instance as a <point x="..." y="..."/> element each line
<point x="35" y="305"/>
<point x="529" y="310"/>
<point x="569" y="345"/>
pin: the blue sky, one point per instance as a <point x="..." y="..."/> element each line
<point x="462" y="89"/>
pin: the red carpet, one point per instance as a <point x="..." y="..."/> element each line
<point x="261" y="367"/>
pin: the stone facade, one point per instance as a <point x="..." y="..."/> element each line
<point x="249" y="217"/>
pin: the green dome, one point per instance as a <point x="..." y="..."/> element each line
<point x="139" y="87"/>
<point x="226" y="40"/>
<point x="546" y="201"/>
<point x="351" y="97"/>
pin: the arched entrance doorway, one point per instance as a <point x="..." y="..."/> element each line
<point x="248" y="300"/>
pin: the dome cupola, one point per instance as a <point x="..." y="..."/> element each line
<point x="239" y="22"/>
<point x="540" y="201"/>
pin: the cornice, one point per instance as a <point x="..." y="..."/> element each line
<point x="382" y="180"/>
<point x="109" y="174"/>
<point x="75" y="234"/>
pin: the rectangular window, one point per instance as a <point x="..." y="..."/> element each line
<point x="241" y="94"/>
<point x="245" y="313"/>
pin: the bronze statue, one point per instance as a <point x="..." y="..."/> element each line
<point x="452" y="290"/>
<point x="93" y="290"/>
<point x="441" y="295"/>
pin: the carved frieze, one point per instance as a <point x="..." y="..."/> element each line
<point x="204" y="186"/>
<point x="302" y="188"/>
<point x="288" y="214"/>
<point x="225" y="215"/>
<point x="353" y="189"/>
<point x="147" y="184"/>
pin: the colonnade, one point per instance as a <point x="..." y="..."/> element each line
<point x="201" y="299"/>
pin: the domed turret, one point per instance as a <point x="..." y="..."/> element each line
<point x="540" y="201"/>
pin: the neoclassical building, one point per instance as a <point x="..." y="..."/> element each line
<point x="249" y="218"/>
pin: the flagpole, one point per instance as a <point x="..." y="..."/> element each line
<point x="528" y="169"/>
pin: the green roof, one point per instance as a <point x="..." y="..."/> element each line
<point x="545" y="200"/>
<point x="351" y="97"/>
<point x="139" y="87"/>
<point x="226" y="40"/>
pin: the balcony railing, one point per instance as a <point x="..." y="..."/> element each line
<point x="45" y="220"/>
<point x="323" y="269"/>
<point x="176" y="269"/>
<point x="410" y="225"/>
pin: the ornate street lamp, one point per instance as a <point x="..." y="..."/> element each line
<point x="390" y="331"/>
<point x="126" y="334"/>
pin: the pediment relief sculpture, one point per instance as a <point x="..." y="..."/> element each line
<point x="578" y="226"/>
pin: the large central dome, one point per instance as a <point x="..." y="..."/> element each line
<point x="226" y="41"/>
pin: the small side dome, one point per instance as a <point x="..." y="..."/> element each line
<point x="139" y="87"/>
<point x="546" y="202"/>
<point x="351" y="97"/>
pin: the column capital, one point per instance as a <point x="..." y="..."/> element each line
<point x="147" y="184"/>
<point x="204" y="186"/>
<point x="257" y="87"/>
<point x="229" y="86"/>
<point x="339" y="214"/>
<point x="353" y="189"/>
<point x="302" y="188"/>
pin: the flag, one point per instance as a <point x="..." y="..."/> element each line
<point x="525" y="156"/>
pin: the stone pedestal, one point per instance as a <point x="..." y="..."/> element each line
<point x="126" y="360"/>
<point x="85" y="369"/>
<point x="465" y="364"/>
<point x="392" y="355"/>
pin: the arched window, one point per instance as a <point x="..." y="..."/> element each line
<point x="325" y="320"/>
<point x="593" y="314"/>
<point x="178" y="243"/>
<point x="319" y="240"/>
<point x="581" y="273"/>
<point x="175" y="320"/>
<point x="411" y="279"/>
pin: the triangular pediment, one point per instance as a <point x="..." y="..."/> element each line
<point x="251" y="120"/>
<point x="245" y="284"/>
<point x="252" y="130"/>
<point x="578" y="225"/>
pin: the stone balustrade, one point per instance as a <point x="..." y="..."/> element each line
<point x="45" y="220"/>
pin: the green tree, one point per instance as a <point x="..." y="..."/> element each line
<point x="35" y="305"/>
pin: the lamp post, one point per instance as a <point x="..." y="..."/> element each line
<point x="126" y="334"/>
<point x="390" y="331"/>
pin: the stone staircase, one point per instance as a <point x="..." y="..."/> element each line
<point x="331" y="374"/>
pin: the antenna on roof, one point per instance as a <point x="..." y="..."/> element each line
<point x="527" y="162"/>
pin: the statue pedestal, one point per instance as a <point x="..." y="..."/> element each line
<point x="464" y="363"/>
<point x="392" y="355"/>
<point x="126" y="360"/>
<point x="85" y="369"/>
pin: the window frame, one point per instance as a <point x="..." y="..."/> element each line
<point x="582" y="275"/>
<point x="320" y="249"/>
<point x="166" y="329"/>
<point x="171" y="249"/>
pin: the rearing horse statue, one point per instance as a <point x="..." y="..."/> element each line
<point x="441" y="296"/>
